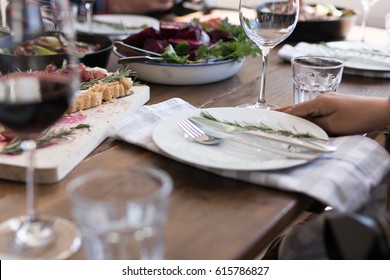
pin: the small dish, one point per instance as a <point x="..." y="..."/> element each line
<point x="98" y="58"/>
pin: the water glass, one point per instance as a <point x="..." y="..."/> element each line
<point x="314" y="75"/>
<point x="387" y="26"/>
<point x="121" y="214"/>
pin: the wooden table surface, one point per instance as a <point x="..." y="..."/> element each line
<point x="210" y="217"/>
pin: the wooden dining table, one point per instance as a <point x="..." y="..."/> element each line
<point x="209" y="216"/>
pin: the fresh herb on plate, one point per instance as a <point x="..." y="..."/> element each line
<point x="262" y="127"/>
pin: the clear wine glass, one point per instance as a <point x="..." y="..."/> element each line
<point x="367" y="4"/>
<point x="88" y="4"/>
<point x="387" y="27"/>
<point x="267" y="23"/>
<point x="32" y="98"/>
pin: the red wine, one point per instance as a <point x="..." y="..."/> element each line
<point x="31" y="103"/>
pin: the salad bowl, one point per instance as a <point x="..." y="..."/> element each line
<point x="185" y="74"/>
<point x="186" y="53"/>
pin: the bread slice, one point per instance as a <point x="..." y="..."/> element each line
<point x="99" y="93"/>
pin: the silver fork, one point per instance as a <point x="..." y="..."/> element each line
<point x="199" y="136"/>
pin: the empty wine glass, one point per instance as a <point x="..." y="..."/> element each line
<point x="34" y="94"/>
<point x="267" y="23"/>
<point x="387" y="27"/>
<point x="367" y="4"/>
<point x="88" y="4"/>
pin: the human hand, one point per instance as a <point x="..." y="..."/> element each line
<point x="342" y="114"/>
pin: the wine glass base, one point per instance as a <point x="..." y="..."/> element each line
<point x="66" y="241"/>
<point x="265" y="106"/>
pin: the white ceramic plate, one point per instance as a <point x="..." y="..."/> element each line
<point x="104" y="24"/>
<point x="184" y="74"/>
<point x="364" y="61"/>
<point x="228" y="155"/>
<point x="374" y="62"/>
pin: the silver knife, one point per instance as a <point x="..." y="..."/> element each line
<point x="232" y="129"/>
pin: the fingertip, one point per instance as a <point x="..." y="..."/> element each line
<point x="282" y="109"/>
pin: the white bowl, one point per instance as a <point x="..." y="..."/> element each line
<point x="185" y="74"/>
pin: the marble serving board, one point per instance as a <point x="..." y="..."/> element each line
<point x="54" y="162"/>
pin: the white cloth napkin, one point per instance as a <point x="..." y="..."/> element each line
<point x="346" y="180"/>
<point x="286" y="52"/>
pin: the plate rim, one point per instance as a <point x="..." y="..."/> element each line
<point x="113" y="31"/>
<point x="130" y="16"/>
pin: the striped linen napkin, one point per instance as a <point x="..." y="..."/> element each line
<point x="354" y="176"/>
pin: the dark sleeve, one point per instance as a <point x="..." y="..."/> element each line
<point x="100" y="6"/>
<point x="387" y="141"/>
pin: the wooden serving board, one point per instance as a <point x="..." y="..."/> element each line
<point x="54" y="162"/>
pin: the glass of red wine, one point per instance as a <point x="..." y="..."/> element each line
<point x="36" y="89"/>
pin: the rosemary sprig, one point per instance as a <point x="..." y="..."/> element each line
<point x="116" y="76"/>
<point x="263" y="127"/>
<point x="50" y="138"/>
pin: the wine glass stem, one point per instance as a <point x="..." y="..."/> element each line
<point x="29" y="146"/>
<point x="261" y="101"/>
<point x="88" y="9"/>
<point x="33" y="233"/>
<point x="364" y="23"/>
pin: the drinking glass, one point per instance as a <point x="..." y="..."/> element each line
<point x="33" y="96"/>
<point x="88" y="4"/>
<point x="315" y="75"/>
<point x="367" y="4"/>
<point x="122" y="213"/>
<point x="267" y="23"/>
